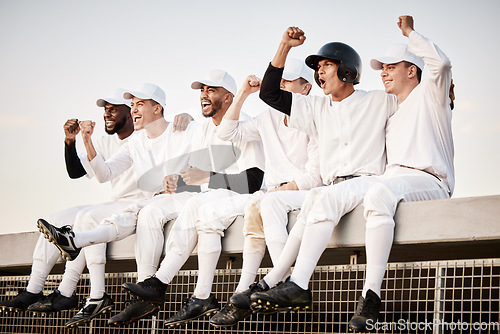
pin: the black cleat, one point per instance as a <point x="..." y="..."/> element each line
<point x="366" y="313"/>
<point x="22" y="301"/>
<point x="151" y="290"/>
<point x="135" y="310"/>
<point x="193" y="308"/>
<point x="61" y="237"/>
<point x="230" y="315"/>
<point x="55" y="302"/>
<point x="91" y="309"/>
<point x="242" y="300"/>
<point x="286" y="296"/>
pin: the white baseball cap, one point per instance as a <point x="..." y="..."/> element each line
<point x="148" y="91"/>
<point x="395" y="54"/>
<point x="296" y="68"/>
<point x="116" y="98"/>
<point x="217" y="78"/>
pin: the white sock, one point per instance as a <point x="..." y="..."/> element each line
<point x="253" y="252"/>
<point x="288" y="256"/>
<point x="72" y="274"/>
<point x="209" y="249"/>
<point x="101" y="234"/>
<point x="97" y="285"/>
<point x="379" y="238"/>
<point x="315" y="239"/>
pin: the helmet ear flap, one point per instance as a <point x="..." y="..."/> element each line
<point x="347" y="73"/>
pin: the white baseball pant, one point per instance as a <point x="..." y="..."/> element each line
<point x="324" y="207"/>
<point x="94" y="256"/>
<point x="150" y="235"/>
<point x="198" y="213"/>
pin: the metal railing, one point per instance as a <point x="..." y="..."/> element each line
<point x="460" y="296"/>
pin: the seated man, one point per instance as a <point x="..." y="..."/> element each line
<point x="118" y="121"/>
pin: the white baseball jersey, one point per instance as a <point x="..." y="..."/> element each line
<point x="428" y="146"/>
<point x="223" y="156"/>
<point x="284" y="148"/>
<point x="152" y="159"/>
<point x="123" y="187"/>
<point x="336" y="127"/>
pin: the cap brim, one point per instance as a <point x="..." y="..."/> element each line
<point x="199" y="84"/>
<point x="376" y="63"/>
<point x="103" y="102"/>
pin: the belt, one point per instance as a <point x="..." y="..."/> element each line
<point x="339" y="179"/>
<point x="421" y="171"/>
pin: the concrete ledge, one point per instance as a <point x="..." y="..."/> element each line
<point x="471" y="224"/>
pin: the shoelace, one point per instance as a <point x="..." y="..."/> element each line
<point x="84" y="308"/>
<point x="151" y="282"/>
<point x="53" y="296"/>
<point x="131" y="301"/>
<point x="65" y="229"/>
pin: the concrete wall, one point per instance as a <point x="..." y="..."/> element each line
<point x="439" y="229"/>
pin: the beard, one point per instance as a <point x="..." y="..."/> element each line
<point x="120" y="124"/>
<point x="216" y="107"/>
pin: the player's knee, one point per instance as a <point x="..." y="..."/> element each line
<point x="253" y="221"/>
<point x="150" y="217"/>
<point x="380" y="201"/>
<point x="85" y="221"/>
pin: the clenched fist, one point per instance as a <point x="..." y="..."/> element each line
<point x="87" y="129"/>
<point x="293" y="37"/>
<point x="71" y="129"/>
<point x="405" y="23"/>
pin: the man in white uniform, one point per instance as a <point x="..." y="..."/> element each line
<point x="236" y="168"/>
<point x="349" y="126"/>
<point x="154" y="151"/>
<point x="118" y="121"/>
<point x="291" y="168"/>
<point x="419" y="153"/>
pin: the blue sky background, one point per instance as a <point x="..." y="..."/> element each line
<point x="58" y="57"/>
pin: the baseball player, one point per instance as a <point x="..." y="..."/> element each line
<point x="239" y="167"/>
<point x="117" y="121"/>
<point x="289" y="173"/>
<point x="154" y="151"/>
<point x="419" y="152"/>
<point x="349" y="126"/>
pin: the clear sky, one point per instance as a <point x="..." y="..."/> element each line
<point x="58" y="57"/>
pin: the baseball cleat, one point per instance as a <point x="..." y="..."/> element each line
<point x="193" y="309"/>
<point x="242" y="300"/>
<point x="54" y="302"/>
<point x="230" y="315"/>
<point x="91" y="309"/>
<point x="367" y="310"/>
<point x="61" y="237"/>
<point x="22" y="301"/>
<point x="286" y="296"/>
<point x="151" y="290"/>
<point x="135" y="310"/>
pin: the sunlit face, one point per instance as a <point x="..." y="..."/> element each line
<point x="295" y="86"/>
<point x="212" y="99"/>
<point x="328" y="78"/>
<point x="115" y="117"/>
<point x="143" y="112"/>
<point x="394" y="77"/>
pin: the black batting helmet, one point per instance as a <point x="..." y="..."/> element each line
<point x="350" y="63"/>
